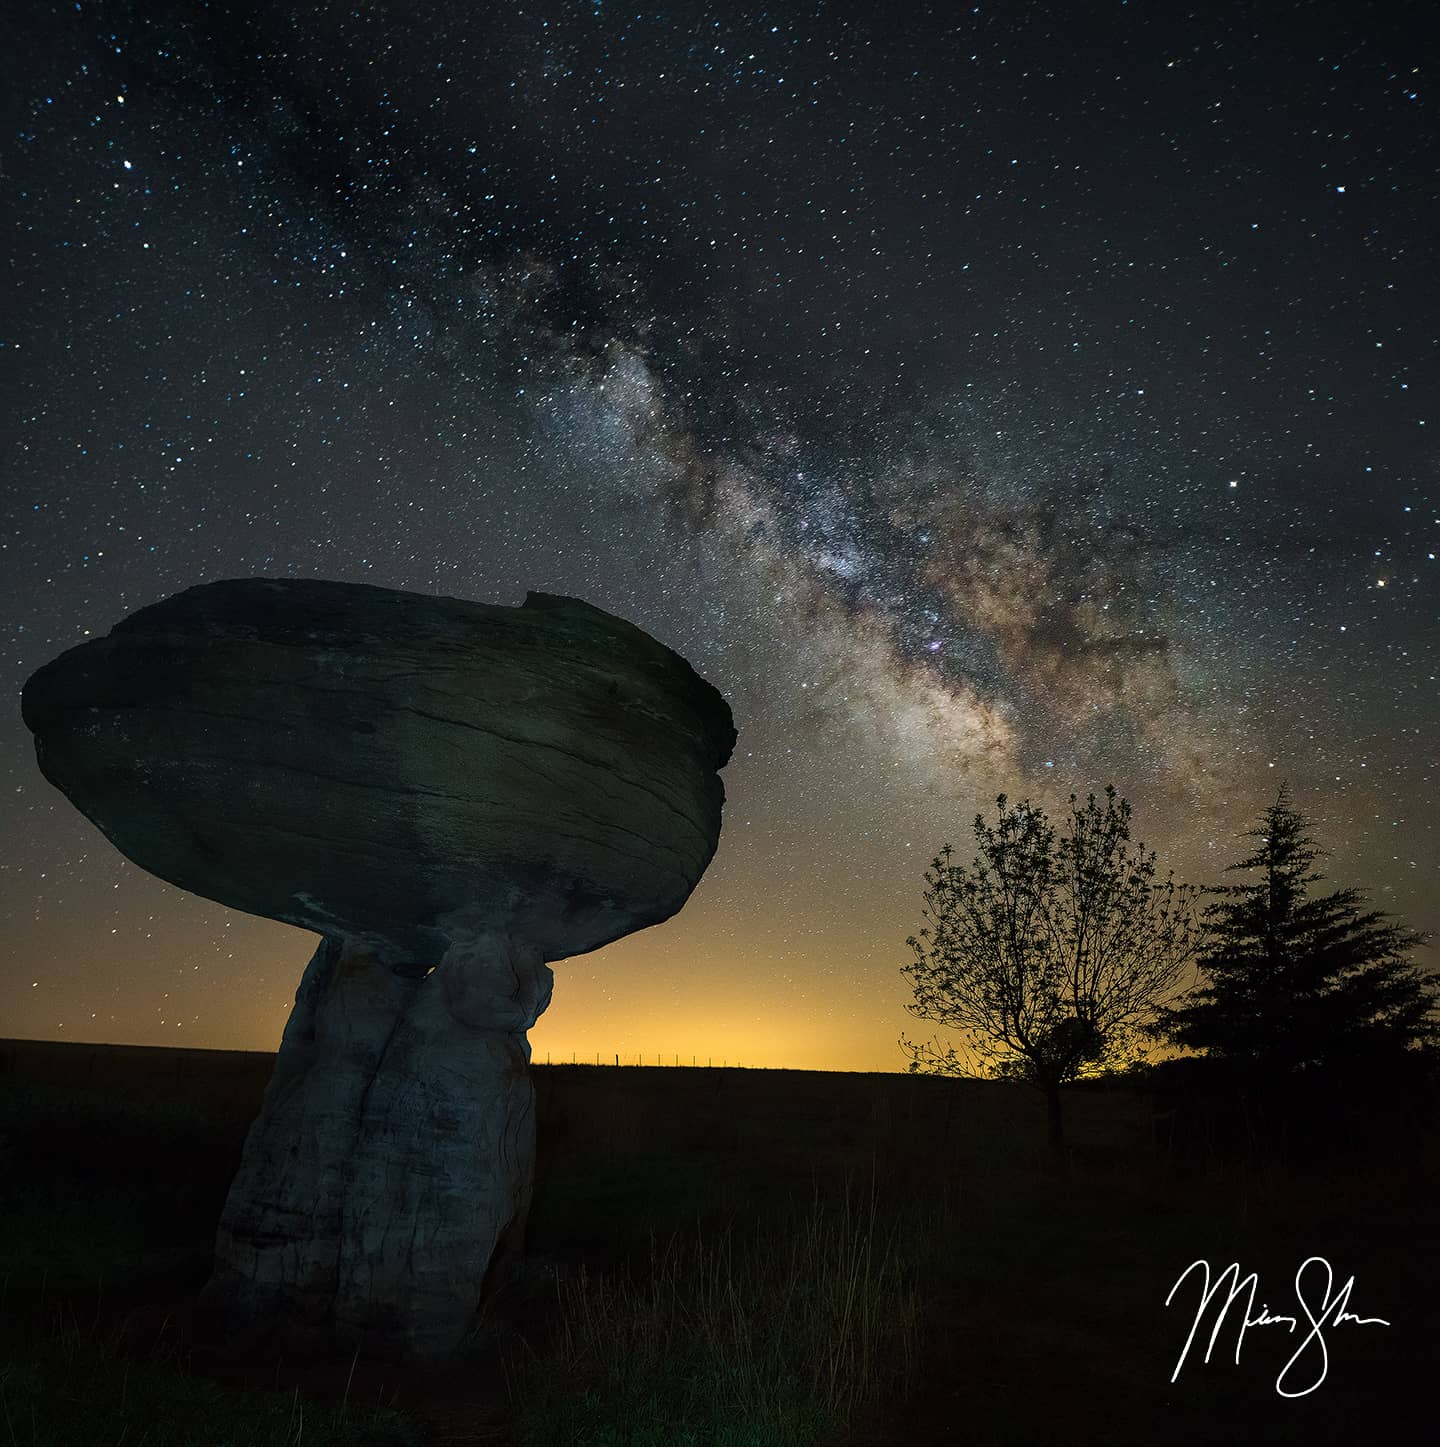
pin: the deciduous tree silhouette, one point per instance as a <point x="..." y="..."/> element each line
<point x="1291" y="980"/>
<point x="1049" y="955"/>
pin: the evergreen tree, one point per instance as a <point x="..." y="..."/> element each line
<point x="1292" y="979"/>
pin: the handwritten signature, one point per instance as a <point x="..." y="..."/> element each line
<point x="1332" y="1312"/>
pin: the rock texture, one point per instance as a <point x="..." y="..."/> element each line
<point x="451" y="794"/>
<point x="361" y="761"/>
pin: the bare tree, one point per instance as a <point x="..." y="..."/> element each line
<point x="1049" y="955"/>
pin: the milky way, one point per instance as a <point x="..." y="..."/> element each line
<point x="982" y="401"/>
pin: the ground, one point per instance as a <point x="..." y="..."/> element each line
<point x="1025" y="1290"/>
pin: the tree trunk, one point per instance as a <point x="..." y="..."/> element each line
<point x="393" y="1154"/>
<point x="1057" y="1119"/>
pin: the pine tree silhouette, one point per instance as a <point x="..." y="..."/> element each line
<point x="1294" y="980"/>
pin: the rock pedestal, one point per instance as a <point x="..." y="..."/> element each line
<point x="451" y="794"/>
<point x="393" y="1155"/>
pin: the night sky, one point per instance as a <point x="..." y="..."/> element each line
<point x="1019" y="398"/>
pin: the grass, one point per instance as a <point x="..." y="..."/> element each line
<point x="60" y="1237"/>
<point x="716" y="1277"/>
<point x="779" y="1340"/>
<point x="87" y="1383"/>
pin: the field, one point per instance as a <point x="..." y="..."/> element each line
<point x="725" y="1257"/>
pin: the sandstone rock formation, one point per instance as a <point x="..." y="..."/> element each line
<point x="451" y="794"/>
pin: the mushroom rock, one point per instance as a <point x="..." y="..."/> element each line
<point x="451" y="794"/>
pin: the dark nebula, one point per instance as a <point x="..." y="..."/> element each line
<point x="1016" y="398"/>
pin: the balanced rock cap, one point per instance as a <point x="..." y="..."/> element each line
<point x="390" y="765"/>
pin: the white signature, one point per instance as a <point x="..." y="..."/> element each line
<point x="1332" y="1313"/>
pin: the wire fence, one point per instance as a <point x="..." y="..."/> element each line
<point x="620" y="1058"/>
